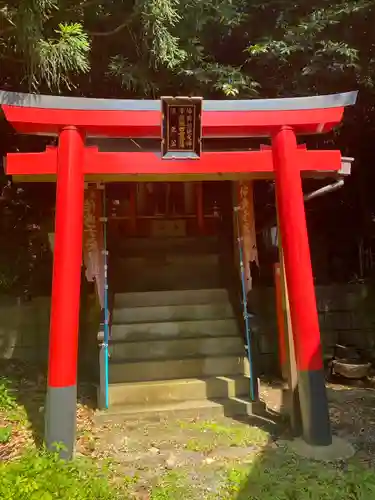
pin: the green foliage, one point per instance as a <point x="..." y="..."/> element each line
<point x="217" y="434"/>
<point x="171" y="486"/>
<point x="286" y="477"/>
<point x="49" y="52"/>
<point x="158" y="18"/>
<point x="62" y="56"/>
<point x="222" y="47"/>
<point x="22" y="247"/>
<point x="228" y="80"/>
<point x="311" y="38"/>
<point x="5" y="434"/>
<point x="44" y="476"/>
<point x="7" y="399"/>
<point x="133" y="78"/>
<point x="171" y="48"/>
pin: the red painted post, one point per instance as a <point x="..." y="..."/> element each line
<point x="304" y="317"/>
<point x="60" y="418"/>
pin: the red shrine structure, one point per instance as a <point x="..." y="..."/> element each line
<point x="74" y="161"/>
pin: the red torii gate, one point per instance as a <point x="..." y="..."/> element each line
<point x="73" y="120"/>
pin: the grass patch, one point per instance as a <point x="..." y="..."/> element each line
<point x="43" y="476"/>
<point x="173" y="485"/>
<point x="286" y="477"/>
<point x="15" y="433"/>
<point x="10" y="409"/>
<point x="200" y="446"/>
<point x="273" y="473"/>
<point x="5" y="434"/>
<point x="219" y="434"/>
<point x="8" y="401"/>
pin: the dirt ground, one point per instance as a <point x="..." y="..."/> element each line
<point x="203" y="449"/>
<point x="141" y="453"/>
<point x="352" y="412"/>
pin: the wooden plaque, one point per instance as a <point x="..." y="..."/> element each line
<point x="181" y="128"/>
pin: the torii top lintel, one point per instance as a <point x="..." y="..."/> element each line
<point x="46" y="115"/>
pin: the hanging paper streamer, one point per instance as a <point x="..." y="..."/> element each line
<point x="247" y="228"/>
<point x="93" y="241"/>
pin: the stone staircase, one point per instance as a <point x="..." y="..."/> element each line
<point x="175" y="341"/>
<point x="176" y="350"/>
<point x="156" y="264"/>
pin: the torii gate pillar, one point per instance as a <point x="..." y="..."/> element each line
<point x="305" y="324"/>
<point x="60" y="418"/>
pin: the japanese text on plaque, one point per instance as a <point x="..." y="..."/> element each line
<point x="181" y="128"/>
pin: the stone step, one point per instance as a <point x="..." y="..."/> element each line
<point x="153" y="269"/>
<point x="142" y="371"/>
<point x="175" y="329"/>
<point x="151" y="246"/>
<point x="168" y="261"/>
<point x="171" y="297"/>
<point x="136" y="283"/>
<point x="205" y="408"/>
<point x="163" y="278"/>
<point x="178" y="348"/>
<point x="161" y="272"/>
<point x="168" y="391"/>
<point x="172" y="313"/>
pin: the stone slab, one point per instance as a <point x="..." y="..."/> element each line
<point x="173" y="313"/>
<point x="175" y="329"/>
<point x="169" y="391"/>
<point x="171" y="297"/>
<point x="143" y="371"/>
<point x="176" y="348"/>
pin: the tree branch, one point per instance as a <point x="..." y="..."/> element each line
<point x="7" y="30"/>
<point x="111" y="32"/>
<point x="89" y="3"/>
<point x="7" y="19"/>
<point x="11" y="58"/>
<point x="12" y="26"/>
<point x="84" y="5"/>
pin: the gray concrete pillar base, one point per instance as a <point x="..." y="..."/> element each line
<point x="60" y="420"/>
<point x="340" y="449"/>
<point x="316" y="425"/>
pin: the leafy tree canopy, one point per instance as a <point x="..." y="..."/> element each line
<point x="150" y="47"/>
<point x="214" y="48"/>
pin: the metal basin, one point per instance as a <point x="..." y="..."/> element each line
<point x="351" y="368"/>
